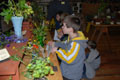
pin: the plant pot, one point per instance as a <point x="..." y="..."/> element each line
<point x="44" y="78"/>
<point x="17" y="24"/>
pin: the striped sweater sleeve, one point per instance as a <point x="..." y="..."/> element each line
<point x="69" y="55"/>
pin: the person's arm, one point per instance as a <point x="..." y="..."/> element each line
<point x="92" y="55"/>
<point x="69" y="54"/>
<point x="60" y="44"/>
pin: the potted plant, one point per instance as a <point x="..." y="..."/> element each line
<point x="39" y="68"/>
<point x="17" y="11"/>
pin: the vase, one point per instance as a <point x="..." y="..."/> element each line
<point x="17" y="24"/>
<point x="34" y="55"/>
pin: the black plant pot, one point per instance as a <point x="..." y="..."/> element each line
<point x="44" y="78"/>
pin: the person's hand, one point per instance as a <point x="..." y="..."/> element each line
<point x="60" y="33"/>
<point x="51" y="43"/>
<point x="54" y="49"/>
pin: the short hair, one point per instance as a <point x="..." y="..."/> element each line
<point x="63" y="15"/>
<point x="59" y="13"/>
<point x="72" y="21"/>
<point x="92" y="44"/>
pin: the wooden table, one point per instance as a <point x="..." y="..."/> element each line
<point x="102" y="28"/>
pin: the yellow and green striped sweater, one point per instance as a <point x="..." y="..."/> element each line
<point x="72" y="55"/>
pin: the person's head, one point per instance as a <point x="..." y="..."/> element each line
<point x="63" y="15"/>
<point x="71" y="23"/>
<point x="92" y="44"/>
<point x="58" y="14"/>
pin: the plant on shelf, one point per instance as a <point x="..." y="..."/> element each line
<point x="16" y="12"/>
<point x="16" y="9"/>
<point x="102" y="7"/>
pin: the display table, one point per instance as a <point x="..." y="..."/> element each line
<point x="103" y="28"/>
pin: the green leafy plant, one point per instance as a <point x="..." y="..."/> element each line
<point x="16" y="9"/>
<point x="17" y="58"/>
<point x="39" y="15"/>
<point x="39" y="68"/>
<point x="102" y="7"/>
<point x="39" y="33"/>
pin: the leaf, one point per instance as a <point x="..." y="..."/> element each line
<point x="52" y="72"/>
<point x="15" y="58"/>
<point x="28" y="75"/>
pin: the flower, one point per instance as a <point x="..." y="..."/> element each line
<point x="35" y="46"/>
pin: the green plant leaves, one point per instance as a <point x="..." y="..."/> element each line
<point x="39" y="67"/>
<point x="16" y="9"/>
<point x="28" y="75"/>
<point x="15" y="58"/>
<point x="7" y="15"/>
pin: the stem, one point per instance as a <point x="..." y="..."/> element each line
<point x="23" y="62"/>
<point x="14" y="5"/>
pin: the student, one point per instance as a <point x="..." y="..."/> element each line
<point x="92" y="61"/>
<point x="59" y="35"/>
<point x="57" y="25"/>
<point x="72" y="51"/>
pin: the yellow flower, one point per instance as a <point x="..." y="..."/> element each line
<point x="13" y="47"/>
<point x="29" y="39"/>
<point x="34" y="40"/>
<point x="48" y="58"/>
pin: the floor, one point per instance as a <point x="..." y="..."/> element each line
<point x="110" y="58"/>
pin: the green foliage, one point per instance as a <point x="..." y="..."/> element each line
<point x="16" y="9"/>
<point x="39" y="33"/>
<point x="38" y="16"/>
<point x="102" y="6"/>
<point x="10" y="78"/>
<point x="17" y="58"/>
<point x="39" y="67"/>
